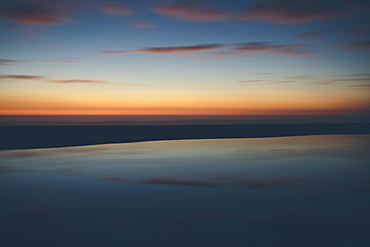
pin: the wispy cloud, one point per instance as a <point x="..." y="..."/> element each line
<point x="78" y="81"/>
<point x="343" y="81"/>
<point x="36" y="12"/>
<point x="10" y="61"/>
<point x="232" y="49"/>
<point x="290" y="11"/>
<point x="275" y="11"/>
<point x="350" y="80"/>
<point x="346" y="80"/>
<point x="45" y="79"/>
<point x="191" y="11"/>
<point x="167" y="50"/>
<point x="21" y="77"/>
<point x="264" y="47"/>
<point x="115" y="8"/>
<point x="359" y="45"/>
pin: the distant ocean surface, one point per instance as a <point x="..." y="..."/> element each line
<point x="178" y="119"/>
<point x="285" y="191"/>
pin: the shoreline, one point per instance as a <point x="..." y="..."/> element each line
<point x="32" y="137"/>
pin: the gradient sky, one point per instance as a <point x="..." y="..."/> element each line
<point x="167" y="57"/>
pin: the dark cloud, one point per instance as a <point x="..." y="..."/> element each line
<point x="359" y="45"/>
<point x="35" y="78"/>
<point x="114" y="8"/>
<point x="181" y="49"/>
<point x="295" y="12"/>
<point x="180" y="182"/>
<point x="36" y="12"/>
<point x="9" y="61"/>
<point x="20" y="77"/>
<point x="167" y="50"/>
<point x="275" y="11"/>
<point x="232" y="49"/>
<point x="191" y="11"/>
<point x="264" y="47"/>
<point x="51" y="12"/>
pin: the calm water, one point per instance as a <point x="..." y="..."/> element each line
<point x="286" y="191"/>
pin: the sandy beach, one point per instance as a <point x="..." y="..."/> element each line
<point x="30" y="137"/>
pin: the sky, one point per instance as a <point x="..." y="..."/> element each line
<point x="169" y="57"/>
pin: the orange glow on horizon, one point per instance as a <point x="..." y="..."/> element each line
<point x="186" y="111"/>
<point x="275" y="102"/>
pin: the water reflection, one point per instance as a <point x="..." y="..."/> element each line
<point x="288" y="191"/>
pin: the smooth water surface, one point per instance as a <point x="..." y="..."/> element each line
<point x="286" y="191"/>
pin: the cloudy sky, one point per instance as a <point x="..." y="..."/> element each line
<point x="170" y="57"/>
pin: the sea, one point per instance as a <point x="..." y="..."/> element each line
<point x="284" y="191"/>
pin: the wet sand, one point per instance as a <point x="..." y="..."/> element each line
<point x="30" y="137"/>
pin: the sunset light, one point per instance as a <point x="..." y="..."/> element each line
<point x="184" y="58"/>
<point x="184" y="123"/>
